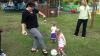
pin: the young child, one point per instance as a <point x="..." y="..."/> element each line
<point x="53" y="33"/>
<point x="61" y="42"/>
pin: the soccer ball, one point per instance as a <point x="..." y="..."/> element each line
<point x="54" y="52"/>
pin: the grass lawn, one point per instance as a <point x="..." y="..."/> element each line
<point x="15" y="44"/>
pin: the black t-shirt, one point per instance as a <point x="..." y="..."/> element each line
<point x="30" y="19"/>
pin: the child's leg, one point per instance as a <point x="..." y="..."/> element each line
<point x="61" y="49"/>
<point x="58" y="51"/>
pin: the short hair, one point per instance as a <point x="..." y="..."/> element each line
<point x="30" y="4"/>
<point x="54" y="24"/>
<point x="86" y="1"/>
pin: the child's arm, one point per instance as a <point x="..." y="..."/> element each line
<point x="51" y="29"/>
<point x="64" y="39"/>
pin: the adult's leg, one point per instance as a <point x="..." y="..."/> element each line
<point x="39" y="37"/>
<point x="84" y="27"/>
<point x="35" y="41"/>
<point x="78" y="27"/>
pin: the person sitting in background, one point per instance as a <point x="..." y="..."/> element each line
<point x="10" y="3"/>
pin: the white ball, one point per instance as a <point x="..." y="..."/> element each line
<point x="52" y="12"/>
<point x="54" y="52"/>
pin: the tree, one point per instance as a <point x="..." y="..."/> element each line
<point x="93" y="13"/>
<point x="71" y="0"/>
<point x="68" y="0"/>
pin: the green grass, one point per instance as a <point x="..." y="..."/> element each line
<point x="15" y="44"/>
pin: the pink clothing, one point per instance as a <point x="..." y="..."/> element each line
<point x="61" y="40"/>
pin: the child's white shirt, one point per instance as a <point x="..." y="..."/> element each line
<point x="61" y="40"/>
<point x="53" y="29"/>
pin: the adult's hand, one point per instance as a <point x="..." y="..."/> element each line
<point x="24" y="32"/>
<point x="45" y="20"/>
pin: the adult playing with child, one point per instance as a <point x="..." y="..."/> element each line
<point x="30" y="24"/>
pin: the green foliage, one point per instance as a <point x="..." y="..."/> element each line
<point x="70" y="0"/>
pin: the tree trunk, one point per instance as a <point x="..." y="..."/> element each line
<point x="93" y="13"/>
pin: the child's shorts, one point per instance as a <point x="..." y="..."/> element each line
<point x="60" y="48"/>
<point x="53" y="36"/>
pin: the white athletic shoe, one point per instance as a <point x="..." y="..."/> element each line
<point x="3" y="54"/>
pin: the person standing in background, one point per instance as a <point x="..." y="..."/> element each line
<point x="83" y="18"/>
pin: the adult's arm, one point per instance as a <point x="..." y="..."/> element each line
<point x="42" y="14"/>
<point x="24" y="32"/>
<point x="23" y="25"/>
